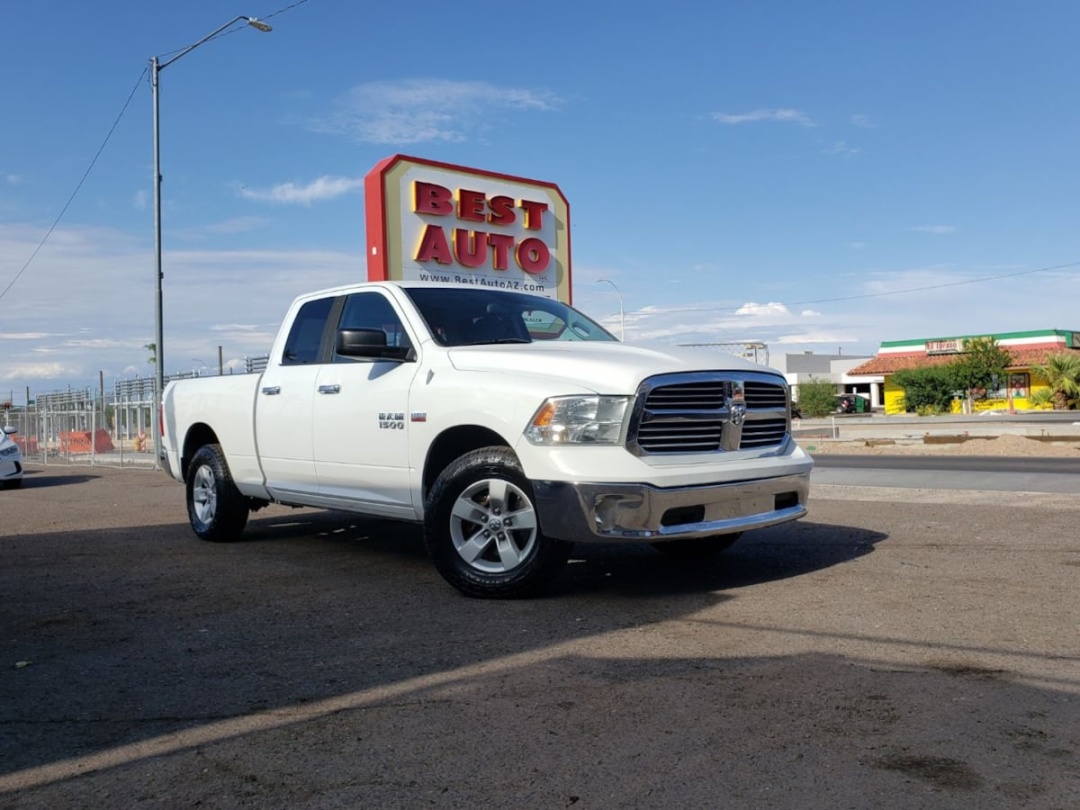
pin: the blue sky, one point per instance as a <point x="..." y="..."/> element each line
<point x="741" y="171"/>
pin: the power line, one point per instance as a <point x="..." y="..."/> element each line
<point x="82" y="180"/>
<point x="283" y="10"/>
<point x="101" y="149"/>
<point x="979" y="280"/>
<point x="263" y="18"/>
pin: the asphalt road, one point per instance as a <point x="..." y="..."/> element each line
<point x="899" y="648"/>
<point x="986" y="473"/>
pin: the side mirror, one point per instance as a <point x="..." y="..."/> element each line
<point x="368" y="343"/>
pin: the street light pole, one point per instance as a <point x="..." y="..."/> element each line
<point x="622" y="312"/>
<point x="159" y="327"/>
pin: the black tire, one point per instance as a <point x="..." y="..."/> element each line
<point x="483" y="532"/>
<point x="697" y="547"/>
<point x="14" y="483"/>
<point x="216" y="509"/>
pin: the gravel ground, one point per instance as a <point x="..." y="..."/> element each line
<point x="1006" y="445"/>
<point x="891" y="651"/>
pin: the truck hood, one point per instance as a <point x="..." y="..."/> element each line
<point x="604" y="368"/>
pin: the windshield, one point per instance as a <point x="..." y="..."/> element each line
<point x="471" y="317"/>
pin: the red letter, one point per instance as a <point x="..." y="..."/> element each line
<point x="500" y="248"/>
<point x="533" y="256"/>
<point x="470" y="247"/>
<point x="502" y="210"/>
<point x="429" y="198"/>
<point x="433" y="246"/>
<point x="470" y="205"/>
<point x="534" y="214"/>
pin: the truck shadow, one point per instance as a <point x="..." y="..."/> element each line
<point x="633" y="569"/>
<point x="122" y="636"/>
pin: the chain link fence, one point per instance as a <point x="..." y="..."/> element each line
<point x="86" y="426"/>
<point x="95" y="427"/>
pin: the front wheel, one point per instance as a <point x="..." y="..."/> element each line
<point x="482" y="529"/>
<point x="216" y="509"/>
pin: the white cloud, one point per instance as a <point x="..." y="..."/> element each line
<point x="863" y="121"/>
<point x="105" y="314"/>
<point x="781" y="115"/>
<point x="840" y="148"/>
<point x="801" y="338"/>
<point x="13" y="179"/>
<point x="40" y="371"/>
<point x="234" y="327"/>
<point x="98" y="343"/>
<point x="237" y="225"/>
<point x="23" y="335"/>
<point x="856" y="245"/>
<point x="773" y="308"/>
<point x="323" y="188"/>
<point x="937" y="230"/>
<point x="420" y="110"/>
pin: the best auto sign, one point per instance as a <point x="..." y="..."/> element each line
<point x="429" y="221"/>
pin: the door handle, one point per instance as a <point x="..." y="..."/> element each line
<point x="329" y="389"/>
<point x="270" y="390"/>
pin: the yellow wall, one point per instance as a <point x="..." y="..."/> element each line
<point x="894" y="398"/>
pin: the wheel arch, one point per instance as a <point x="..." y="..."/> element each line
<point x="199" y="435"/>
<point x="453" y="443"/>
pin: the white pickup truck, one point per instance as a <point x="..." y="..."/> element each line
<point x="511" y="425"/>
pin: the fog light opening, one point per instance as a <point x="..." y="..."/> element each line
<point x="682" y="515"/>
<point x="786" y="500"/>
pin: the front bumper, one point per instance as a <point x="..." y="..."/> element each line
<point x="11" y="470"/>
<point x="620" y="512"/>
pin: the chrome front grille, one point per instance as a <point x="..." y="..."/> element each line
<point x="708" y="412"/>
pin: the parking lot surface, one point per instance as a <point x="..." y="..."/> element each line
<point x="898" y="648"/>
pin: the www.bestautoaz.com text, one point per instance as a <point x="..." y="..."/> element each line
<point x="501" y="283"/>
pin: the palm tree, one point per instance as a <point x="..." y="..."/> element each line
<point x="1062" y="373"/>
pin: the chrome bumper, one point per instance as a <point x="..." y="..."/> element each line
<point x="620" y="512"/>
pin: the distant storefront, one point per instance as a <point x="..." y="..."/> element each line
<point x="1014" y="390"/>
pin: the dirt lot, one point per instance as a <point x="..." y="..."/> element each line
<point x="894" y="654"/>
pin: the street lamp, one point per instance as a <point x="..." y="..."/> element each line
<point x="159" y="342"/>
<point x="622" y="312"/>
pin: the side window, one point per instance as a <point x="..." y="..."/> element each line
<point x="370" y="310"/>
<point x="305" y="337"/>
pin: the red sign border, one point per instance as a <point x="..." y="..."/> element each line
<point x="376" y="219"/>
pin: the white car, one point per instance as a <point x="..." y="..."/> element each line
<point x="11" y="467"/>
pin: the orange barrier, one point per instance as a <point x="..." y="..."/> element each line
<point x="28" y="445"/>
<point x="79" y="441"/>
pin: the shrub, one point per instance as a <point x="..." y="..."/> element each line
<point x="817" y="398"/>
<point x="931" y="387"/>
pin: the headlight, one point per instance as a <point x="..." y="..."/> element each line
<point x="578" y="420"/>
<point x="10" y="451"/>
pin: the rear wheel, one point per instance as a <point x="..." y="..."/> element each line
<point x="482" y="529"/>
<point x="216" y="509"/>
<point x="697" y="547"/>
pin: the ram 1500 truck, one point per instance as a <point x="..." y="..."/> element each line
<point x="510" y="425"/>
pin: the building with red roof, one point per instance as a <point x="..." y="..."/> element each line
<point x="1027" y="349"/>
